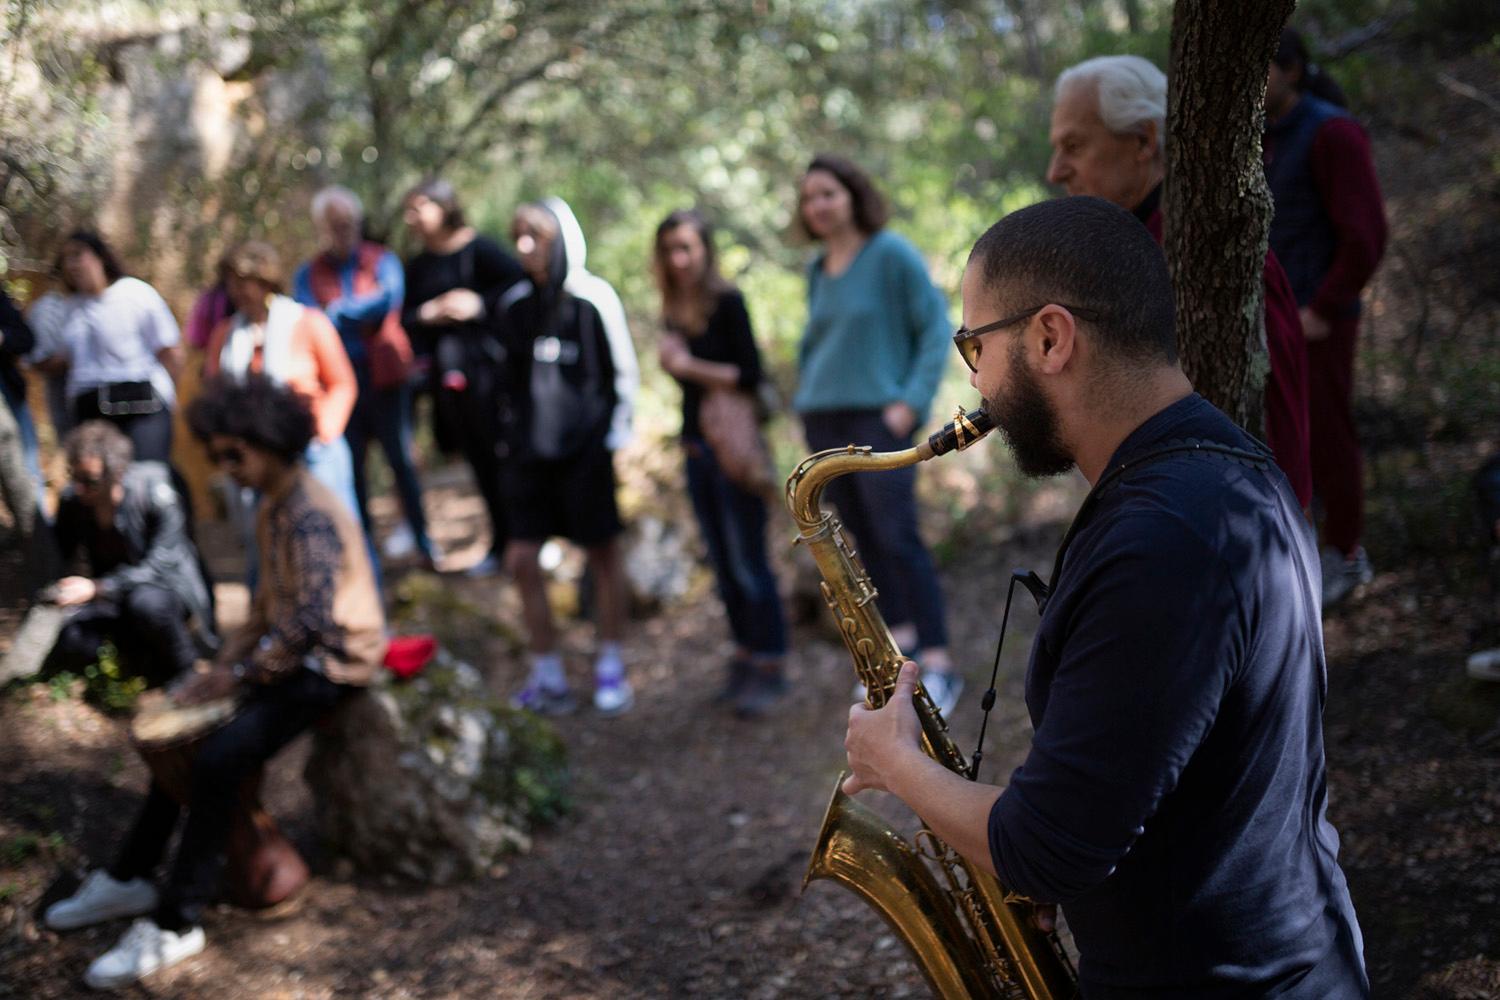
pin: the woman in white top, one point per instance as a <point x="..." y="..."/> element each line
<point x="122" y="347"/>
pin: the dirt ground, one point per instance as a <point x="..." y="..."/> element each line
<point x="679" y="873"/>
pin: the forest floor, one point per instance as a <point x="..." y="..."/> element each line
<point x="678" y="873"/>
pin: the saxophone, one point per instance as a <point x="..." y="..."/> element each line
<point x="970" y="936"/>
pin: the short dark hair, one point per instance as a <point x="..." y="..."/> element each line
<point x="870" y="212"/>
<point x="1089" y="254"/>
<point x="113" y="271"/>
<point x="102" y="440"/>
<point x="441" y="194"/>
<point x="257" y="411"/>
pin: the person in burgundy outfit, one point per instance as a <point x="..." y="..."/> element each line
<point x="1108" y="127"/>
<point x="1329" y="231"/>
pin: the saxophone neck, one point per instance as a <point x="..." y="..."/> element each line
<point x="804" y="488"/>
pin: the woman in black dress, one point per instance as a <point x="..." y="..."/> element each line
<point x="453" y="291"/>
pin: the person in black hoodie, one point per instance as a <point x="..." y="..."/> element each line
<point x="571" y="376"/>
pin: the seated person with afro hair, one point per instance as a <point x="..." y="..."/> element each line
<point x="314" y="635"/>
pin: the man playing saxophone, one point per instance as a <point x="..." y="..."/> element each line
<point x="1174" y="794"/>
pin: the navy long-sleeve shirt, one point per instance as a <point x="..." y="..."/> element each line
<point x="1173" y="799"/>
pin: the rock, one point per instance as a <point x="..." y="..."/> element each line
<point x="32" y="642"/>
<point x="433" y="779"/>
<point x="659" y="563"/>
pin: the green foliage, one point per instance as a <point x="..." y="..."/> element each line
<point x="22" y="846"/>
<point x="18" y="848"/>
<point x="104" y="683"/>
<point x="538" y="781"/>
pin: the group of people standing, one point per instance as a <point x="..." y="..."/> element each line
<point x="532" y="369"/>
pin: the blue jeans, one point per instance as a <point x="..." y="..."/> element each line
<point x="331" y="464"/>
<point x="386" y="415"/>
<point x="880" y="509"/>
<point x="733" y="525"/>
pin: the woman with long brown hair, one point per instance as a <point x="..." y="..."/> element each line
<point x="871" y="358"/>
<point x="708" y="346"/>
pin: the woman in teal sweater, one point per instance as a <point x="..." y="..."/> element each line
<point x="876" y="342"/>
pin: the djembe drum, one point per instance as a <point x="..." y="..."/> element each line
<point x="262" y="868"/>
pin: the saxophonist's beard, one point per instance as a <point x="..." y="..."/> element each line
<point x="1028" y="422"/>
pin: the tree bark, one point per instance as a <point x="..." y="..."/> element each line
<point x="1218" y="208"/>
<point x="18" y="494"/>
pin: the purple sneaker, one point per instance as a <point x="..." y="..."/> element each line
<point x="544" y="701"/>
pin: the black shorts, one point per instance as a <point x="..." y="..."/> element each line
<point x="572" y="498"/>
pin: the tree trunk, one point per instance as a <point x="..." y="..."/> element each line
<point x="1218" y="208"/>
<point x="18" y="494"/>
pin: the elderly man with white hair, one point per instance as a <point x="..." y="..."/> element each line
<point x="360" y="285"/>
<point x="1108" y="140"/>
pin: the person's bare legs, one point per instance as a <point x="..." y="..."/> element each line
<point x="608" y="570"/>
<point x="547" y="688"/>
<point x="523" y="562"/>
<point x="612" y="692"/>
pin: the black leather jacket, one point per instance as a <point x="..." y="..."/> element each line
<point x="152" y="525"/>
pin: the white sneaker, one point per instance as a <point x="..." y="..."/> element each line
<point x="613" y="696"/>
<point x="1485" y="665"/>
<point x="101" y="898"/>
<point x="400" y="543"/>
<point x="144" y="949"/>
<point x="943" y="689"/>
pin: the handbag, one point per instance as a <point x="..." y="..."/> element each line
<point x="388" y="350"/>
<point x="730" y="420"/>
<point x="128" y="399"/>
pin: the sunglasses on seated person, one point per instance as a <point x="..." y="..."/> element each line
<point x="968" y="343"/>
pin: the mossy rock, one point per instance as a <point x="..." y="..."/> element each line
<point x="434" y="779"/>
<point x="425" y="602"/>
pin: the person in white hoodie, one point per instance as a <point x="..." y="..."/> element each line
<point x="571" y="383"/>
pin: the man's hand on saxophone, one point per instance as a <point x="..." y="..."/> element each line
<point x="885" y="753"/>
<point x="882" y="743"/>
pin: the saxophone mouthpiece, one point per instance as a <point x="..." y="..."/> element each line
<point x="960" y="432"/>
